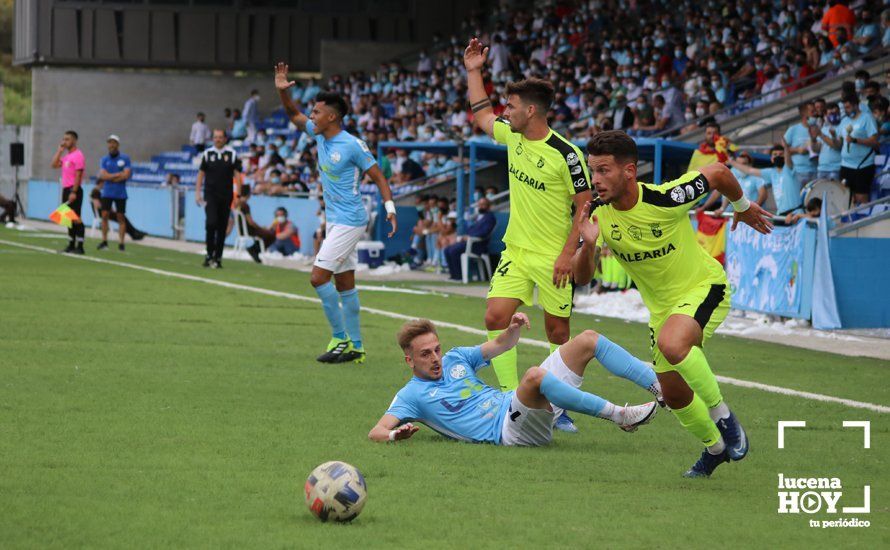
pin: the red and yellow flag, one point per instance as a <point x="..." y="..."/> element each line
<point x="711" y="235"/>
<point x="63" y="215"/>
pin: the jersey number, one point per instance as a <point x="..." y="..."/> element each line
<point x="502" y="270"/>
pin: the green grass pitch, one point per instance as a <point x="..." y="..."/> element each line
<point x="138" y="410"/>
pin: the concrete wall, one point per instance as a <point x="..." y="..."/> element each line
<point x="151" y="111"/>
<point x="342" y="57"/>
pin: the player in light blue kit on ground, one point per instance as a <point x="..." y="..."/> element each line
<point x="342" y="160"/>
<point x="447" y="395"/>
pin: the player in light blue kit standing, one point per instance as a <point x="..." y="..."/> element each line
<point x="447" y="395"/>
<point x="342" y="160"/>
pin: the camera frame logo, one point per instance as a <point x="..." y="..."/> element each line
<point x="812" y="495"/>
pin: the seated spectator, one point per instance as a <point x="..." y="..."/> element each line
<point x="8" y="207"/>
<point x="867" y="34"/>
<point x="287" y="238"/>
<point x="813" y="211"/>
<point x="878" y="107"/>
<point x="481" y="227"/>
<point x="253" y="228"/>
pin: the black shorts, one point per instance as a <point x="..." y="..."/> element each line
<point x="859" y="181"/>
<point x="120" y="205"/>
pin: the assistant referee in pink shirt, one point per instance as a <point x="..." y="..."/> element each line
<point x="70" y="159"/>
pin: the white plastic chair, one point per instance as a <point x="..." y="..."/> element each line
<point x="482" y="261"/>
<point x="241" y="236"/>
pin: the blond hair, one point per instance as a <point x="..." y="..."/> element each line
<point x="413" y="329"/>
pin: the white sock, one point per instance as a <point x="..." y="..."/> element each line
<point x="718" y="447"/>
<point x="720" y="411"/>
<point x="611" y="412"/>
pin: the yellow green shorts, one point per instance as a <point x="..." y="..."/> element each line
<point x="707" y="304"/>
<point x="517" y="274"/>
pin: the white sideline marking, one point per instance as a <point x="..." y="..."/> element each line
<point x="469" y="330"/>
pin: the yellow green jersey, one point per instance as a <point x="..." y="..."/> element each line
<point x="544" y="177"/>
<point x="656" y="245"/>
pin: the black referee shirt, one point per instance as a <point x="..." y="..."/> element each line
<point x="219" y="167"/>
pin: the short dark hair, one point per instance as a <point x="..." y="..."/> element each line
<point x="713" y="124"/>
<point x="334" y="101"/>
<point x="536" y="91"/>
<point x="615" y="143"/>
<point x="804" y="105"/>
<point x="852" y="98"/>
<point x="776" y="147"/>
<point x="282" y="209"/>
<point x="873" y="84"/>
<point x="71" y="133"/>
<point x="245" y="190"/>
<point x="814" y="204"/>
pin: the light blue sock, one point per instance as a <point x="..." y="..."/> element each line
<point x="567" y="397"/>
<point x="330" y="302"/>
<point x="621" y="363"/>
<point x="351" y="308"/>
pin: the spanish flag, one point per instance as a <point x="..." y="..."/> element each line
<point x="706" y="154"/>
<point x="63" y="215"/>
<point x="711" y="235"/>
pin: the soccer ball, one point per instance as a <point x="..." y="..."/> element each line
<point x="336" y="491"/>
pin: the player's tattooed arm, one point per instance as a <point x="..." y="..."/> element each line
<point x="282" y="84"/>
<point x="388" y="429"/>
<point x="474" y="59"/>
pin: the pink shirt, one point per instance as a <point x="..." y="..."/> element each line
<point x="71" y="163"/>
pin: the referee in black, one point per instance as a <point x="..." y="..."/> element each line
<point x="217" y="171"/>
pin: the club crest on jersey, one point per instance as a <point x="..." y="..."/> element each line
<point x="540" y="163"/>
<point x="656" y="229"/>
<point x="121" y="162"/>
<point x="616" y="233"/>
<point x="635" y="232"/>
<point x="576" y="169"/>
<point x="335" y="157"/>
<point x="518" y="148"/>
<point x="678" y="195"/>
<point x="458" y="371"/>
<point x="572" y="159"/>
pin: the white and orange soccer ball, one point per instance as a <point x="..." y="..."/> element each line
<point x="336" y="491"/>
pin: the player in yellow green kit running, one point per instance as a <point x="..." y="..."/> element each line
<point x="647" y="228"/>
<point x="548" y="186"/>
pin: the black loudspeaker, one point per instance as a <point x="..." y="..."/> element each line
<point x="17" y="154"/>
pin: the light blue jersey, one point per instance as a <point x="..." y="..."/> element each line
<point x="830" y="159"/>
<point x="799" y="136"/>
<point x="786" y="188"/>
<point x="750" y="185"/>
<point x="341" y="162"/>
<point x="459" y="405"/>
<point x="854" y="155"/>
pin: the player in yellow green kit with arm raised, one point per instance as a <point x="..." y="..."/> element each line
<point x="647" y="228"/>
<point x="549" y="184"/>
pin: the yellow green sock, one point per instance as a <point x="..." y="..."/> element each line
<point x="695" y="370"/>
<point x="504" y="366"/>
<point x="695" y="418"/>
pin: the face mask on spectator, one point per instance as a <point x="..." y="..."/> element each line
<point x="747" y="52"/>
<point x="275" y="180"/>
<point x="712" y="65"/>
<point x="812" y="121"/>
<point x="834" y="118"/>
<point x="778" y="162"/>
<point x="280" y="219"/>
<point x="689" y="115"/>
<point x="775" y="50"/>
<point x="665" y="84"/>
<point x="678" y="53"/>
<point x="715" y="84"/>
<point x="728" y="52"/>
<point x="846" y="57"/>
<point x="860" y="83"/>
